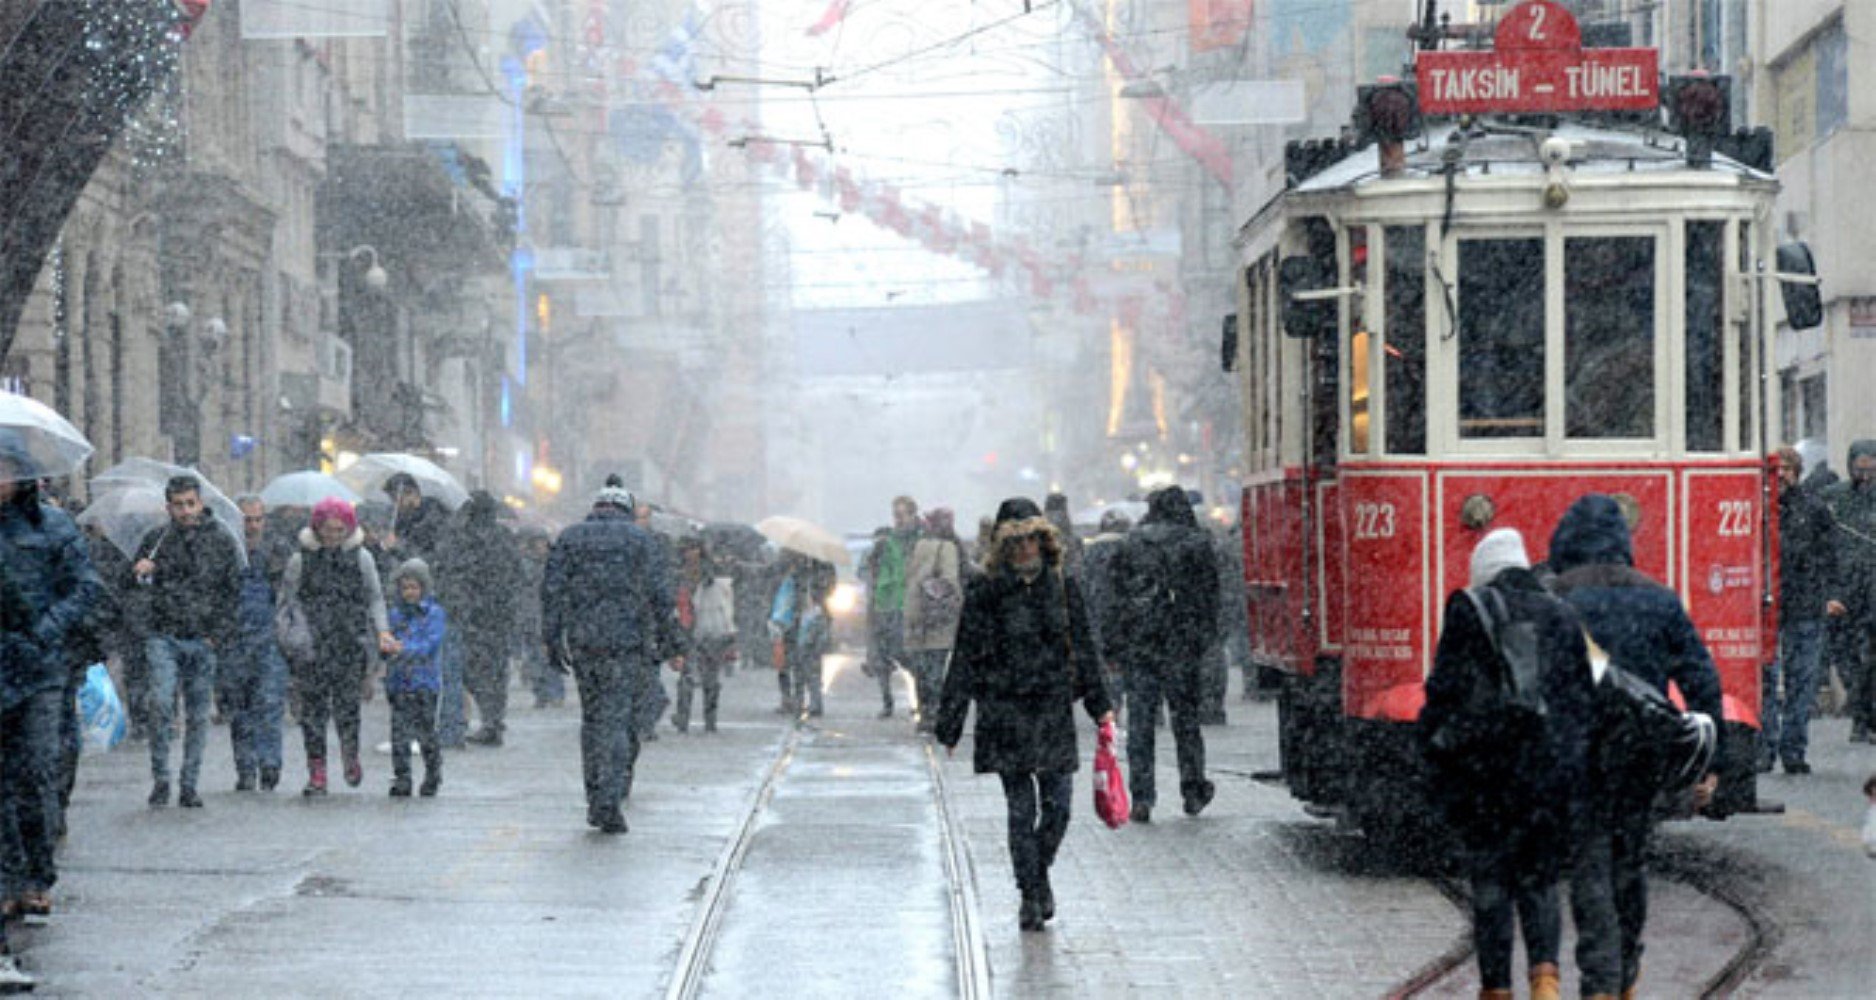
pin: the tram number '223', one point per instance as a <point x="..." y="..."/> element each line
<point x="1374" y="521"/>
<point x="1735" y="518"/>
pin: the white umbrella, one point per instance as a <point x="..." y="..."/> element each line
<point x="37" y="443"/>
<point x="304" y="489"/>
<point x="148" y="473"/>
<point x="369" y="474"/>
<point x="125" y="513"/>
<point x="805" y="537"/>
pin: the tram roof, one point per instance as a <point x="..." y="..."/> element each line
<point x="1509" y="151"/>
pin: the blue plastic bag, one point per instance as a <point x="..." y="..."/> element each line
<point x="101" y="717"/>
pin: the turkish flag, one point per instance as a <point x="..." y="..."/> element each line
<point x="836" y="13"/>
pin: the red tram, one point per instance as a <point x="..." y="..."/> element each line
<point x="1557" y="282"/>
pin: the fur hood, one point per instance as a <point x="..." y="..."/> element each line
<point x="310" y="541"/>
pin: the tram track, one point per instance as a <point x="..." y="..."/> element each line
<point x="969" y="952"/>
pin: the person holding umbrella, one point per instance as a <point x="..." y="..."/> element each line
<point x="190" y="571"/>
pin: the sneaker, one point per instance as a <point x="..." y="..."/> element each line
<point x="612" y="821"/>
<point x="14" y="979"/>
<point x="1198" y="799"/>
<point x="1029" y="917"/>
<point x="159" y="794"/>
<point x="270" y="778"/>
<point x="400" y="787"/>
<point x="430" y="782"/>
<point x="354" y="771"/>
<point x="244" y="782"/>
<point x="315" y="780"/>
<point x="189" y="799"/>
<point x="34" y="903"/>
<point x="1797" y="767"/>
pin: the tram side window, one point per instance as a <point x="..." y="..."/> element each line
<point x="1706" y="360"/>
<point x="1501" y="338"/>
<point x="1609" y="336"/>
<point x="1405" y="350"/>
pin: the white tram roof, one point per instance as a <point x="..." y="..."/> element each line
<point x="1515" y="152"/>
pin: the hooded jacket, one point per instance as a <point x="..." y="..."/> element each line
<point x="1808" y="544"/>
<point x="341" y="592"/>
<point x="196" y="590"/>
<point x="478" y="573"/>
<point x="47" y="588"/>
<point x="607" y="590"/>
<point x="420" y="627"/>
<point x="1853" y="506"/>
<point x="1165" y="598"/>
<point x="1640" y="623"/>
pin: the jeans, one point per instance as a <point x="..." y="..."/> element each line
<point x="29" y="791"/>
<point x="703" y="668"/>
<point x="413" y="718"/>
<point x="1038" y="806"/>
<point x="928" y="676"/>
<point x="1609" y="900"/>
<point x="608" y="682"/>
<point x="253" y="680"/>
<point x="187" y="665"/>
<point x="1500" y="885"/>
<point x="452" y="723"/>
<point x="886" y="650"/>
<point x="1145" y="688"/>
<point x="804" y="679"/>
<point x="1787" y="719"/>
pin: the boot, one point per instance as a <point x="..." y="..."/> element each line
<point x="1495" y="995"/>
<point x="1029" y="916"/>
<point x="400" y="786"/>
<point x="315" y="779"/>
<point x="1045" y="897"/>
<point x="270" y="777"/>
<point x="354" y="772"/>
<point x="1546" y="983"/>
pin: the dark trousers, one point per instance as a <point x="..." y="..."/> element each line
<point x="1038" y="803"/>
<point x="608" y="682"/>
<point x="1179" y="688"/>
<point x="330" y="692"/>
<point x="413" y="718"/>
<point x="252" y="679"/>
<point x="485" y="673"/>
<point x="1609" y="900"/>
<point x="703" y="668"/>
<point x="71" y="739"/>
<point x="886" y="650"/>
<point x="29" y="791"/>
<point x="928" y="675"/>
<point x="1504" y="889"/>
<point x="1859" y="678"/>
<point x="804" y="679"/>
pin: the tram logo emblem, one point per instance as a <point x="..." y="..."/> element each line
<point x="1721" y="579"/>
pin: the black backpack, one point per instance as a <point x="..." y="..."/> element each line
<point x="1504" y="711"/>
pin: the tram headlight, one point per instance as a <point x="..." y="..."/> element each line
<point x="1477" y="511"/>
<point x="1556" y="192"/>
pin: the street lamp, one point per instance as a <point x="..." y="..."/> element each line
<point x="375" y="276"/>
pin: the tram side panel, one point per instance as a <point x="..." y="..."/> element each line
<point x="1285" y="636"/>
<point x="1725" y="587"/>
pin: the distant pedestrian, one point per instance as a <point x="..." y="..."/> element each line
<point x="1055" y="508"/>
<point x="47" y="590"/>
<point x="193" y="574"/>
<point x="413" y="676"/>
<point x="1853" y="505"/>
<point x="1646" y="631"/>
<point x="934" y="599"/>
<point x="1807" y="587"/>
<point x="887" y="564"/>
<point x="1869" y="816"/>
<point x="1024" y="656"/>
<point x="479" y="573"/>
<point x="1512" y="786"/>
<point x="1098" y="560"/>
<point x="252" y="677"/>
<point x="548" y="685"/>
<point x="707" y="597"/>
<point x="606" y="613"/>
<point x="1166" y="617"/>
<point x="802" y="629"/>
<point x="335" y="580"/>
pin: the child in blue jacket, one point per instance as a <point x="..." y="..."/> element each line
<point x="413" y="676"/>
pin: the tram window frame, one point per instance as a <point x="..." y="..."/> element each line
<point x="1362" y="395"/>
<point x="1403" y="385"/>
<point x="1750" y="354"/>
<point x="1498" y="430"/>
<point x="1703" y="344"/>
<point x="1589" y="349"/>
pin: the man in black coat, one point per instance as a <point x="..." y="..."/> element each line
<point x="1025" y="654"/>
<point x="1853" y="505"/>
<point x="1164" y="617"/>
<point x="1807" y="585"/>
<point x="478" y="574"/>
<point x="1646" y="631"/>
<point x="607" y="610"/>
<point x="192" y="572"/>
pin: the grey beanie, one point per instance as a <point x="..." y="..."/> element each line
<point x="415" y="569"/>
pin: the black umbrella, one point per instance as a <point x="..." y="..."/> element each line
<point x="739" y="540"/>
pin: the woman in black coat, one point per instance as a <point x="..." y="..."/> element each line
<point x="1025" y="655"/>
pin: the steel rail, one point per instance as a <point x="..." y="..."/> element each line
<point x="971" y="952"/>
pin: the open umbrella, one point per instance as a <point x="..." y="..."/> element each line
<point x="673" y="526"/>
<point x="739" y="540"/>
<point x="124" y="514"/>
<point x="369" y="474"/>
<point x="805" y="537"/>
<point x="37" y="443"/>
<point x="304" y="489"/>
<point x="148" y="473"/>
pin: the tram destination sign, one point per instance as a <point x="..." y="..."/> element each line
<point x="1538" y="64"/>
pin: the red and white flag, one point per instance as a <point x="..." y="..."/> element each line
<point x="836" y="12"/>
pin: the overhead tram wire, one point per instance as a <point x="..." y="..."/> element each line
<point x="920" y="53"/>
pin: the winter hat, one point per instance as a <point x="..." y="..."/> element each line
<point x="415" y="569"/>
<point x="334" y="508"/>
<point x="1592" y="532"/>
<point x="1500" y="550"/>
<point x="615" y="496"/>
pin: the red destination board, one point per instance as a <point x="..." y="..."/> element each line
<point x="1538" y="64"/>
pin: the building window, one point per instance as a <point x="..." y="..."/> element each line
<point x="1812" y="85"/>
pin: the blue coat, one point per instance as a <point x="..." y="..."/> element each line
<point x="607" y="589"/>
<point x="47" y="588"/>
<point x="421" y="628"/>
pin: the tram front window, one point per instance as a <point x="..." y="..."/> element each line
<point x="1609" y="336"/>
<point x="1501" y="338"/>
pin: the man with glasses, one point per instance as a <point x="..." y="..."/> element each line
<point x="252" y="681"/>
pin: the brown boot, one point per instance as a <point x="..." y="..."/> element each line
<point x="1495" y="995"/>
<point x="1546" y="984"/>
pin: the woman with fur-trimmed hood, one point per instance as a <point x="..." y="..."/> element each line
<point x="1025" y="655"/>
<point x="335" y="581"/>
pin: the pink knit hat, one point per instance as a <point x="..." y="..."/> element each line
<point x="335" y="508"/>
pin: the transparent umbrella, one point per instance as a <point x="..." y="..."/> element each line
<point x="369" y="474"/>
<point x="148" y="473"/>
<point x="304" y="489"/>
<point x="805" y="537"/>
<point x="124" y="514"/>
<point x="37" y="443"/>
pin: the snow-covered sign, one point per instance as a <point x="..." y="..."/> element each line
<point x="321" y="19"/>
<point x="1538" y="64"/>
